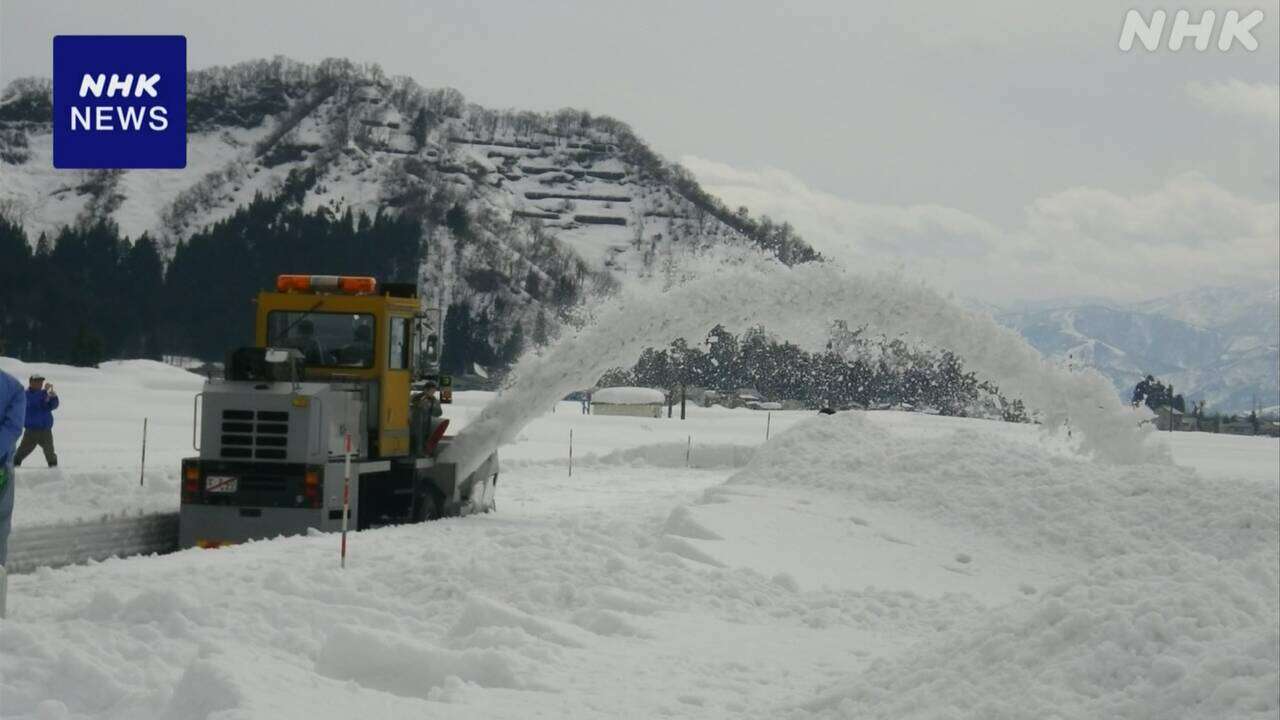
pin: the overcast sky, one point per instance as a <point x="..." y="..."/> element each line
<point x="1005" y="149"/>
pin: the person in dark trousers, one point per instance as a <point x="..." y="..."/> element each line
<point x="431" y="403"/>
<point x="427" y="409"/>
<point x="41" y="402"/>
<point x="13" y="406"/>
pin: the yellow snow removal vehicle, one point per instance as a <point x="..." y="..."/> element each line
<point x="338" y="378"/>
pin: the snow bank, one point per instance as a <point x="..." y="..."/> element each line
<point x="1177" y="613"/>
<point x="804" y="301"/>
<point x="533" y="614"/>
<point x="678" y="455"/>
<point x="1032" y="497"/>
<point x="589" y="596"/>
<point x="402" y="667"/>
<point x="1156" y="637"/>
<point x="143" y="374"/>
<point x="98" y="434"/>
<point x="65" y="495"/>
<point x="628" y="396"/>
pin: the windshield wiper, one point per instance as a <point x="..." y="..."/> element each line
<point x="294" y="324"/>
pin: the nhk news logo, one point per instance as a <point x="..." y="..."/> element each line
<point x="119" y="101"/>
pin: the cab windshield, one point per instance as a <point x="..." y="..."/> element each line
<point x="326" y="339"/>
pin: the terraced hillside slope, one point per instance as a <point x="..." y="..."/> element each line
<point x="522" y="212"/>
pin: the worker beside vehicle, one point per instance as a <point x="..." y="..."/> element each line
<point x="430" y="408"/>
<point x="41" y="402"/>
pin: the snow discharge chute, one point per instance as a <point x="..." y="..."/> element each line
<point x="806" y="300"/>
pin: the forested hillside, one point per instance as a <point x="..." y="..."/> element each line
<point x="504" y="218"/>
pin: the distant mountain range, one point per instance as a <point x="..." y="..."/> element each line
<point x="1221" y="345"/>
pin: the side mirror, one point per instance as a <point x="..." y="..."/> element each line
<point x="427" y="342"/>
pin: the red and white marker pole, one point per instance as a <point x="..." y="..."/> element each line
<point x="346" y="499"/>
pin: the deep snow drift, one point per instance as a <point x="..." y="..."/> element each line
<point x="881" y="565"/>
<point x="859" y="565"/>
<point x="1169" y="606"/>
<point x="1135" y="591"/>
<point x="781" y="297"/>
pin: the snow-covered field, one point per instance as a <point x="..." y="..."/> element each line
<point x="879" y="565"/>
<point x="98" y="435"/>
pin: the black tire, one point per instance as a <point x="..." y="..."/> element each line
<point x="430" y="503"/>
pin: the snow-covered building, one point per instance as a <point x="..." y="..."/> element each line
<point x="633" y="401"/>
<point x="1166" y="416"/>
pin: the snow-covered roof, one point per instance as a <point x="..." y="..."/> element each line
<point x="628" y="396"/>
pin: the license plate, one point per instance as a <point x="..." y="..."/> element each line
<point x="220" y="484"/>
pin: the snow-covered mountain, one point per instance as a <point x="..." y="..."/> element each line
<point x="538" y="201"/>
<point x="525" y="211"/>
<point x="1217" y="344"/>
<point x="1250" y="315"/>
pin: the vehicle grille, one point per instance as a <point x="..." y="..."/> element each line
<point x="260" y="435"/>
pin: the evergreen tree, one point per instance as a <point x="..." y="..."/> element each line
<point x="86" y="349"/>
<point x="511" y="349"/>
<point x="144" y="290"/>
<point x="783" y="371"/>
<point x="16" y="268"/>
<point x="457" y="339"/>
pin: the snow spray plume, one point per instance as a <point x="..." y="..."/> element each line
<point x="806" y="300"/>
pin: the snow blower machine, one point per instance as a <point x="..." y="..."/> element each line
<point x="328" y="421"/>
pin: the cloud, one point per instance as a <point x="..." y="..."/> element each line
<point x="844" y="228"/>
<point x="1235" y="97"/>
<point x="1078" y="242"/>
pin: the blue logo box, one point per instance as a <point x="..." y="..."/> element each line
<point x="119" y="101"/>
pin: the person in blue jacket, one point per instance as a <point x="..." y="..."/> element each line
<point x="41" y="402"/>
<point x="13" y="406"/>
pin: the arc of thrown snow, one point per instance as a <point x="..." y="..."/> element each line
<point x="802" y="302"/>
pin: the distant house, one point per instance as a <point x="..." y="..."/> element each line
<point x="742" y="397"/>
<point x="1241" y="426"/>
<point x="1169" y="416"/>
<point x="696" y="395"/>
<point x="632" y="401"/>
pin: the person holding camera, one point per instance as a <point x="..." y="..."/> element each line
<point x="41" y="402"/>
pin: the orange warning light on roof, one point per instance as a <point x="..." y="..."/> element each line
<point x="326" y="283"/>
